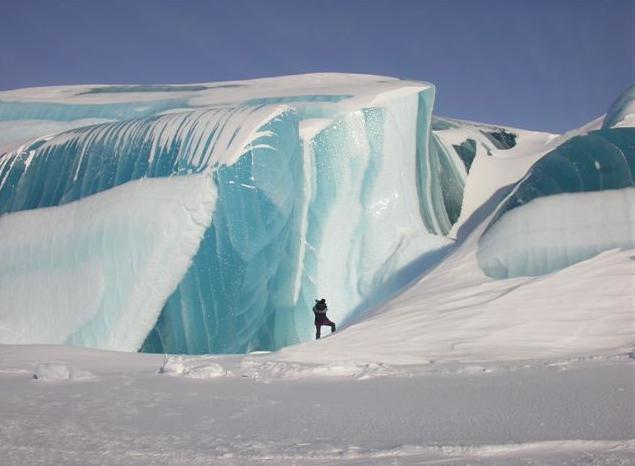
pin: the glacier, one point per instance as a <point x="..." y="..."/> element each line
<point x="205" y="218"/>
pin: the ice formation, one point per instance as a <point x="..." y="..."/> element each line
<point x="314" y="183"/>
<point x="206" y="218"/>
<point x="575" y="202"/>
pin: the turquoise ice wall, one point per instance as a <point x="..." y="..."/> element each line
<point x="298" y="211"/>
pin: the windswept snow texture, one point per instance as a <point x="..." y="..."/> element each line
<point x="575" y="202"/>
<point x="322" y="185"/>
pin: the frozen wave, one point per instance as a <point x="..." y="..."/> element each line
<point x="574" y="203"/>
<point x="340" y="186"/>
<point x="324" y="185"/>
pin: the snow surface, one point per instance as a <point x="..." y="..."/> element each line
<point x="558" y="411"/>
<point x="550" y="233"/>
<point x="456" y="313"/>
<point x="55" y="372"/>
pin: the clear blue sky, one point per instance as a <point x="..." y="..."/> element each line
<point x="538" y="64"/>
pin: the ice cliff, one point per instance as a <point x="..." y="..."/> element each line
<point x="206" y="218"/>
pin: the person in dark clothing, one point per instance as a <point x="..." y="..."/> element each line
<point x="319" y="310"/>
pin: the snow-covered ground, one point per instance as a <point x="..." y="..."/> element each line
<point x="120" y="409"/>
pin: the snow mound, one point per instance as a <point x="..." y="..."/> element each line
<point x="97" y="272"/>
<point x="492" y="320"/>
<point x="264" y="368"/>
<point x="55" y="372"/>
<point x="195" y="368"/>
<point x="271" y="369"/>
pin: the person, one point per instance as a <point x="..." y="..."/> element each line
<point x="319" y="310"/>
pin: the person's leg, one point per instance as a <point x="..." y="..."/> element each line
<point x="332" y="327"/>
<point x="317" y="331"/>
